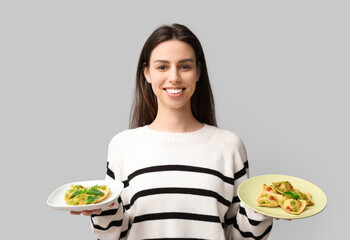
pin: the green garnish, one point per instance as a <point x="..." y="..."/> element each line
<point x="95" y="191"/>
<point x="79" y="195"/>
<point x="77" y="187"/>
<point x="75" y="193"/>
<point x="292" y="194"/>
<point x="91" y="199"/>
<point x="103" y="187"/>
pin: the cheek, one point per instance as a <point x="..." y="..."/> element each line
<point x="154" y="88"/>
<point x="157" y="78"/>
<point x="192" y="76"/>
<point x="192" y="80"/>
<point x="156" y="85"/>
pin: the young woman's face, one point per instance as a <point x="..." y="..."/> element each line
<point x="173" y="74"/>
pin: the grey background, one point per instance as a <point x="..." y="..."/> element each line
<point x="279" y="72"/>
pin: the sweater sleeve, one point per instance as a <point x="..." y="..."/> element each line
<point x="112" y="223"/>
<point x="240" y="221"/>
<point x="109" y="224"/>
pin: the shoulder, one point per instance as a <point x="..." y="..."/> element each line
<point x="226" y="138"/>
<point x="125" y="137"/>
<point x="232" y="146"/>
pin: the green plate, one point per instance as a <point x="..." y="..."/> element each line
<point x="250" y="190"/>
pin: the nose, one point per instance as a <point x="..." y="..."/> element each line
<point x="174" y="76"/>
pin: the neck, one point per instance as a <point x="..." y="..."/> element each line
<point x="175" y="120"/>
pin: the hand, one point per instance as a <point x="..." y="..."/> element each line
<point x="283" y="219"/>
<point x="89" y="213"/>
<point x="279" y="219"/>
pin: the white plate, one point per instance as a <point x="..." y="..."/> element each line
<point x="250" y="190"/>
<point x="56" y="199"/>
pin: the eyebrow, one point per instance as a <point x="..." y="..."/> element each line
<point x="181" y="61"/>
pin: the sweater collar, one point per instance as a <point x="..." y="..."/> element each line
<point x="199" y="134"/>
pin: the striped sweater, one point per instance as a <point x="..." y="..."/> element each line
<point x="178" y="186"/>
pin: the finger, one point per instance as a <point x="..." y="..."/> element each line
<point x="75" y="213"/>
<point x="97" y="211"/>
<point x="87" y="213"/>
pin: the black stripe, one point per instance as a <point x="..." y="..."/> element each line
<point x="110" y="172"/>
<point x="249" y="234"/>
<point x="183" y="168"/>
<point x="230" y="221"/>
<point x="241" y="172"/>
<point x="246" y="164"/>
<point x="193" y="191"/>
<point x="124" y="233"/>
<point x="126" y="183"/>
<point x="243" y="212"/>
<point x="176" y="215"/>
<point x="111" y="224"/>
<point x="252" y="222"/>
<point x="236" y="199"/>
<point x="106" y="213"/>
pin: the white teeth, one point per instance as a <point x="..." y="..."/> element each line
<point x="174" y="90"/>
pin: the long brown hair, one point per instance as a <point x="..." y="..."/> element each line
<point x="145" y="106"/>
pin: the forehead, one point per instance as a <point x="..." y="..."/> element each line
<point x="172" y="50"/>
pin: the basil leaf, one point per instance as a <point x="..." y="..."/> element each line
<point x="75" y="193"/>
<point x="77" y="186"/>
<point x="91" y="199"/>
<point x="292" y="195"/>
<point x="95" y="191"/>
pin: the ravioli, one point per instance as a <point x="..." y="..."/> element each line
<point x="79" y="195"/>
<point x="293" y="206"/>
<point x="305" y="196"/>
<point x="280" y="198"/>
<point x="267" y="197"/>
<point x="284" y="195"/>
<point x="283" y="186"/>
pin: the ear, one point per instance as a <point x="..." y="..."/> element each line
<point x="146" y="74"/>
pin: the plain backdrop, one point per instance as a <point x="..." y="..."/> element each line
<point x="279" y="72"/>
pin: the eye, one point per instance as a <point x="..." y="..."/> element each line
<point x="185" y="67"/>
<point x="161" y="67"/>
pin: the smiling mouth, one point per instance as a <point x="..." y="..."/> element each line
<point x="174" y="90"/>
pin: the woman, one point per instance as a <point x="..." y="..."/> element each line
<point x="180" y="172"/>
